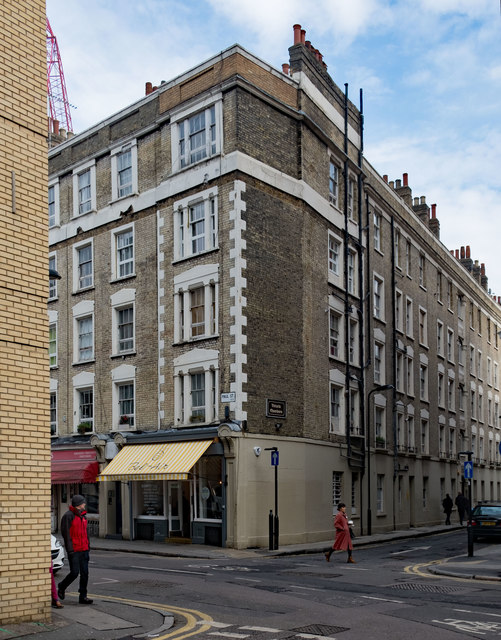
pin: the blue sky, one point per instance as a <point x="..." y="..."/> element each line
<point x="430" y="71"/>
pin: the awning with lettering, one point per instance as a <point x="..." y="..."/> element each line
<point x="163" y="461"/>
<point x="74" y="466"/>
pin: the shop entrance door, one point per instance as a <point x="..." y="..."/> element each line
<point x="175" y="498"/>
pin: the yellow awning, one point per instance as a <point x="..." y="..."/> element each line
<point x="165" y="461"/>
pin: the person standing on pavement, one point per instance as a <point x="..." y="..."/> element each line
<point x="462" y="506"/>
<point x="76" y="541"/>
<point x="343" y="536"/>
<point x="447" y="505"/>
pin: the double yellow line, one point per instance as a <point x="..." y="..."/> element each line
<point x="195" y="621"/>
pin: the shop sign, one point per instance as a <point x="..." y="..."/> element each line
<point x="276" y="408"/>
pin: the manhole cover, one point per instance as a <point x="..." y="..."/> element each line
<point x="430" y="588"/>
<point x="320" y="629"/>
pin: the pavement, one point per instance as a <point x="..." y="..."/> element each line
<point x="122" y="619"/>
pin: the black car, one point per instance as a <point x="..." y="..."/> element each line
<point x="486" y="520"/>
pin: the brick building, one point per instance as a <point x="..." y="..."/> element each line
<point x="229" y="260"/>
<point x="24" y="380"/>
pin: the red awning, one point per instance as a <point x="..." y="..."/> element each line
<point x="74" y="466"/>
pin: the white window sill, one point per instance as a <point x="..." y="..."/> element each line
<point x="122" y="354"/>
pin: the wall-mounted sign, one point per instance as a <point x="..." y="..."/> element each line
<point x="276" y="408"/>
<point x="229" y="397"/>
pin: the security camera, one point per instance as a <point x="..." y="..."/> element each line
<point x="257" y="451"/>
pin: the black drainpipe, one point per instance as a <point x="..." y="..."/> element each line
<point x="394" y="367"/>
<point x="346" y="298"/>
<point x="361" y="291"/>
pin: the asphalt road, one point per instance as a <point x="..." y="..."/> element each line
<point x="387" y="594"/>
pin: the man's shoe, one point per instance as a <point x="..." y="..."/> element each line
<point x="60" y="593"/>
<point x="85" y="601"/>
<point x="328" y="556"/>
<point x="351" y="561"/>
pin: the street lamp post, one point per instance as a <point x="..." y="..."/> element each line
<point x="382" y="387"/>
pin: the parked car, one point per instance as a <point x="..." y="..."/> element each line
<point x="486" y="520"/>
<point x="57" y="553"/>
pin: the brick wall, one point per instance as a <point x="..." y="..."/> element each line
<point x="24" y="383"/>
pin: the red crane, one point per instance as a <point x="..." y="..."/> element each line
<point x="58" y="106"/>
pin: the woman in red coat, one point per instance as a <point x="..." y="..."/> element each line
<point x="343" y="537"/>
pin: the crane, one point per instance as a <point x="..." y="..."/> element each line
<point x="58" y="106"/>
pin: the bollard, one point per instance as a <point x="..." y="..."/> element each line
<point x="275" y="533"/>
<point x="470" y="543"/>
<point x="270" y="531"/>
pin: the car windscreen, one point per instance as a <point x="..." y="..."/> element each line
<point x="494" y="512"/>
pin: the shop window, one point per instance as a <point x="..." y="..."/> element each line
<point x="208" y="489"/>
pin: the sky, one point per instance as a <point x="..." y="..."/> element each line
<point x="430" y="71"/>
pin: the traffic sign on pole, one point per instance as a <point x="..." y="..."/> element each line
<point x="274" y="458"/>
<point x="468" y="469"/>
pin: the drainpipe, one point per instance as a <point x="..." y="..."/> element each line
<point x="361" y="315"/>
<point x="394" y="367"/>
<point x="346" y="298"/>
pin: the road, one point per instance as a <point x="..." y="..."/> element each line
<point x="387" y="593"/>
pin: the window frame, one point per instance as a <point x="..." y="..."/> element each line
<point x="77" y="265"/>
<point x="53" y="281"/>
<point x="115" y="155"/>
<point x="124" y="299"/>
<point x="180" y="120"/>
<point x="55" y="213"/>
<point x="89" y="168"/>
<point x="183" y="244"/>
<point x="117" y="263"/>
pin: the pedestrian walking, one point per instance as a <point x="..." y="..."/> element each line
<point x="447" y="505"/>
<point x="76" y="541"/>
<point x="462" y="506"/>
<point x="343" y="536"/>
<point x="55" y="600"/>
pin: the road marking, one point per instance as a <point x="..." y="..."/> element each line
<point x="296" y="586"/>
<point x="310" y="636"/>
<point x="106" y="581"/>
<point x="382" y="599"/>
<point x="195" y="573"/>
<point x="399" y="553"/>
<point x="227" y="634"/>
<point x="217" y="625"/>
<point x="247" y="579"/>
<point x="416" y="569"/>
<point x="190" y="615"/>
<point x="263" y="629"/>
<point x="483" y="613"/>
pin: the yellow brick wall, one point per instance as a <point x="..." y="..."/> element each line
<point x="24" y="379"/>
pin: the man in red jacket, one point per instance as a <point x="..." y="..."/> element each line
<point x="76" y="541"/>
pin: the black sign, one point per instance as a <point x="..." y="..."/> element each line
<point x="276" y="408"/>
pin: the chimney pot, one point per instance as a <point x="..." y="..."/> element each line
<point x="55" y="127"/>
<point x="468" y="251"/>
<point x="416" y="202"/>
<point x="398" y="184"/>
<point x="148" y="88"/>
<point x="385" y="177"/>
<point x="457" y="254"/>
<point x="423" y="200"/>
<point x="433" y="211"/>
<point x="462" y="252"/>
<point x="285" y="69"/>
<point x="303" y="36"/>
<point x="482" y="268"/>
<point x="392" y="184"/>
<point x="406" y="179"/>
<point x="297" y="33"/>
<point x="307" y="44"/>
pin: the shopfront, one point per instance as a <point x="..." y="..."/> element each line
<point x="74" y="471"/>
<point x="175" y="490"/>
